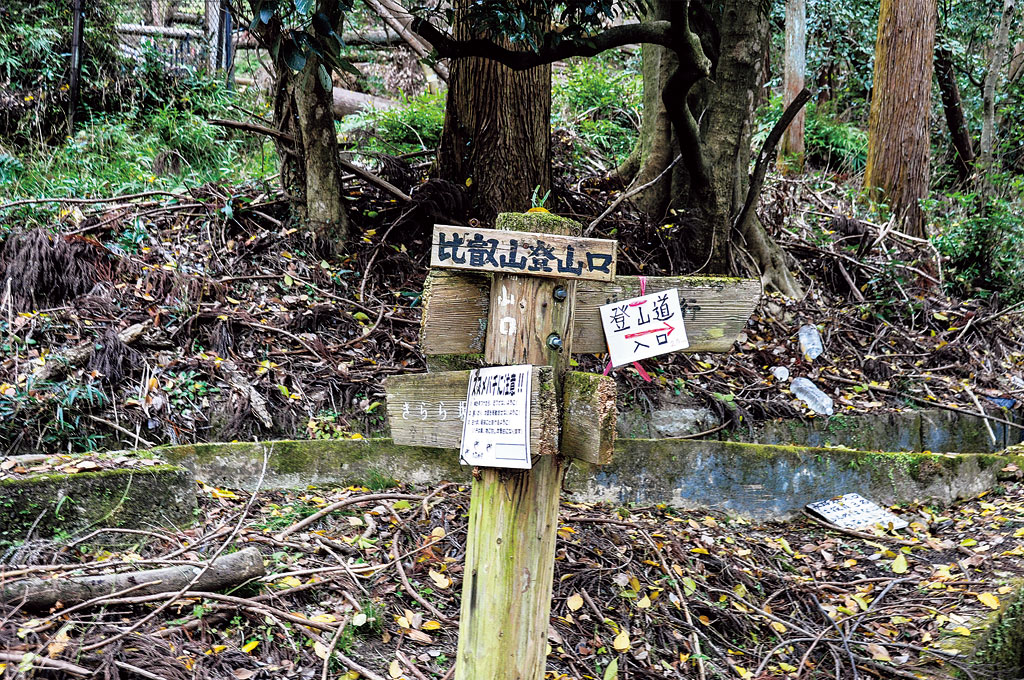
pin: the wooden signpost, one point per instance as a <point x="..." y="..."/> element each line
<point x="528" y="293"/>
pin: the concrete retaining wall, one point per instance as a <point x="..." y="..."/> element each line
<point x="753" y="480"/>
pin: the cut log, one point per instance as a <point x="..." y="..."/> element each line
<point x="226" y="571"/>
<point x="347" y="102"/>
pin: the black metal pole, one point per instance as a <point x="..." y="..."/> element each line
<point x="76" y="61"/>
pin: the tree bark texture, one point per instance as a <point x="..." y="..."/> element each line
<point x="497" y="129"/>
<point x="899" y="155"/>
<point x="997" y="54"/>
<point x="952" y="107"/>
<point x="310" y="168"/>
<point x="791" y="150"/>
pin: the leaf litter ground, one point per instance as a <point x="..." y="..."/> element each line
<point x="372" y="589"/>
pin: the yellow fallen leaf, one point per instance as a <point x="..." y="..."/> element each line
<point x="431" y="625"/>
<point x="899" y="565"/>
<point x="878" y="652"/>
<point x="394" y="670"/>
<point x="962" y="630"/>
<point x="439" y="579"/>
<point x="778" y="627"/>
<point x="249" y="646"/>
<point x="787" y="668"/>
<point x="644" y="602"/>
<point x="990" y="600"/>
<point x="574" y="602"/>
<point x="621" y="642"/>
<point x="289" y="582"/>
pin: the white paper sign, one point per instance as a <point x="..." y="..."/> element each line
<point x="496" y="431"/>
<point x="853" y="511"/>
<point x="644" y="327"/>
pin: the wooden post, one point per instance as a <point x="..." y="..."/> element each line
<point x="527" y="314"/>
<point x="513" y="516"/>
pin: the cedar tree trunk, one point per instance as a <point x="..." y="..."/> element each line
<point x="791" y="149"/>
<point x="898" y="140"/>
<point x="497" y="130"/>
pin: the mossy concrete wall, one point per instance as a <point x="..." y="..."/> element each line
<point x="754" y="480"/>
<point x="934" y="430"/>
<point x="52" y="504"/>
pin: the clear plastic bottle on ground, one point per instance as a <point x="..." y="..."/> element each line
<point x="810" y="342"/>
<point x="807" y="391"/>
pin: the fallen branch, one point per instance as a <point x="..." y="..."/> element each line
<point x="768" y="152"/>
<point x="223" y="572"/>
<point x="398" y="18"/>
<point x="239" y="383"/>
<point x="43" y="662"/>
<point x="922" y="400"/>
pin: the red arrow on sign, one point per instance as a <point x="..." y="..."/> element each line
<point x="668" y="327"/>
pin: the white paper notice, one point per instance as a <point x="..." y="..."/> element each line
<point x="496" y="432"/>
<point x="853" y="511"/>
<point x="644" y="327"/>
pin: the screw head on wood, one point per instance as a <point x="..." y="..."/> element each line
<point x="561" y="294"/>
<point x="555" y="342"/>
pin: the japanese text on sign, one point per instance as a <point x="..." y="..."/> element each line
<point x="644" y="327"/>
<point x="496" y="431"/>
<point x="853" y="511"/>
<point x="523" y="253"/>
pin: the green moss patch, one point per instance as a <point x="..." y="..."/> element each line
<point x="54" y="504"/>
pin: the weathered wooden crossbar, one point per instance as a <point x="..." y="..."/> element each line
<point x="715" y="310"/>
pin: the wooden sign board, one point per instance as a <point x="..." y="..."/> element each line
<point x="429" y="409"/>
<point x="526" y="253"/>
<point x="714" y="309"/>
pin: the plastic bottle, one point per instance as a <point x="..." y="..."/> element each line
<point x="781" y="373"/>
<point x="807" y="391"/>
<point x="810" y="342"/>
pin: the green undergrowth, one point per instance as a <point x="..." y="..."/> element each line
<point x="163" y="142"/>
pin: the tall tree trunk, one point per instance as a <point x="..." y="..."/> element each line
<point x="997" y="54"/>
<point x="898" y="140"/>
<point x="497" y="129"/>
<point x="952" y="107"/>
<point x="791" y="150"/>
